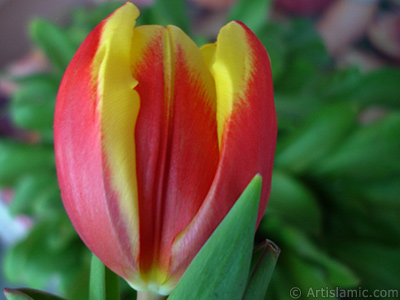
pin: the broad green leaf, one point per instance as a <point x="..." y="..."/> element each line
<point x="83" y="20"/>
<point x="41" y="79"/>
<point x="379" y="87"/>
<point x="295" y="243"/>
<point x="306" y="61"/>
<point x="384" y="194"/>
<point x="264" y="260"/>
<point x="254" y="13"/>
<point x="294" y="203"/>
<point x="93" y="16"/>
<point x="377" y="195"/>
<point x="32" y="106"/>
<point x="376" y="263"/>
<point x="373" y="223"/>
<point x="307" y="277"/>
<point x="37" y="193"/>
<point x="315" y="138"/>
<point x="299" y="76"/>
<point x="304" y="42"/>
<point x="28" y="294"/>
<point x="335" y="273"/>
<point x="273" y="38"/>
<point x="339" y="84"/>
<point x="54" y="42"/>
<point x="75" y="284"/>
<point x="17" y="159"/>
<point x="104" y="284"/>
<point x="167" y="12"/>
<point x="370" y="153"/>
<point x="220" y="269"/>
<point x="293" y="108"/>
<point x="50" y="248"/>
<point x="280" y="285"/>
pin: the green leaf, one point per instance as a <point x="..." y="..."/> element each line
<point x="75" y="284"/>
<point x="280" y="285"/>
<point x="50" y="248"/>
<point x="32" y="106"/>
<point x="220" y="269"/>
<point x="335" y="273"/>
<point x="339" y="84"/>
<point x="315" y="138"/>
<point x="370" y="153"/>
<point x="36" y="193"/>
<point x="377" y="264"/>
<point x="379" y="87"/>
<point x="273" y="38"/>
<point x="307" y="277"/>
<point x="104" y="284"/>
<point x="85" y="20"/>
<point x="384" y="194"/>
<point x="295" y="243"/>
<point x="264" y="260"/>
<point x="28" y="294"/>
<point x="84" y="17"/>
<point x="293" y="108"/>
<point x="299" y="74"/>
<point x="304" y="42"/>
<point x="294" y="203"/>
<point x="253" y="13"/>
<point x="45" y="79"/>
<point x="17" y="159"/>
<point x="171" y="12"/>
<point x="306" y="60"/>
<point x="54" y="42"/>
<point x="378" y="224"/>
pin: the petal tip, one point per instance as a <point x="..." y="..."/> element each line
<point x="129" y="8"/>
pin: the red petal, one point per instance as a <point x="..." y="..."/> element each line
<point x="176" y="139"/>
<point x="84" y="178"/>
<point x="248" y="139"/>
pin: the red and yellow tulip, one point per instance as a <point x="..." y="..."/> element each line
<point x="156" y="139"/>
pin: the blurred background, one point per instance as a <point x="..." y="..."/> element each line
<point x="335" y="201"/>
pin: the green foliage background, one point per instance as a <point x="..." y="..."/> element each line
<point x="334" y="206"/>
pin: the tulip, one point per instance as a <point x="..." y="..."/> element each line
<point x="156" y="139"/>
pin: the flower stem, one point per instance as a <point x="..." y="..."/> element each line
<point x="147" y="295"/>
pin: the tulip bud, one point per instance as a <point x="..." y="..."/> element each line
<point x="156" y="139"/>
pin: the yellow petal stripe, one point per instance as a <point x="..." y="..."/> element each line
<point x="231" y="72"/>
<point x="118" y="105"/>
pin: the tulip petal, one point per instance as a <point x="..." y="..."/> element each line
<point x="194" y="153"/>
<point x="176" y="139"/>
<point x="246" y="130"/>
<point x="147" y="67"/>
<point x="247" y="119"/>
<point x="96" y="164"/>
